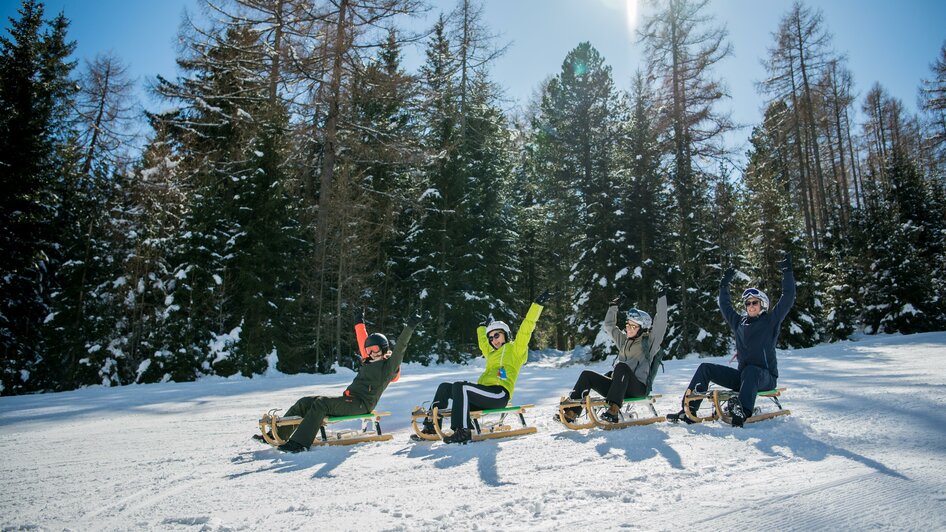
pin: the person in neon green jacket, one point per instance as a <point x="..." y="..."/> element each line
<point x="504" y="358"/>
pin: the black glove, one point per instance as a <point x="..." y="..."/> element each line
<point x="786" y="263"/>
<point x="543" y="297"/>
<point x="728" y="276"/>
<point x="358" y="315"/>
<point x="417" y="318"/>
<point x="616" y="302"/>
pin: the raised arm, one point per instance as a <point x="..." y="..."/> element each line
<point x="611" y="326"/>
<point x="485" y="348"/>
<point x="524" y="336"/>
<point x="725" y="300"/>
<point x="400" y="347"/>
<point x="787" y="299"/>
<point x="361" y="333"/>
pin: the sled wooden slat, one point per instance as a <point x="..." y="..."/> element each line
<point x="269" y="424"/>
<point x="719" y="396"/>
<point x="591" y="405"/>
<point x="491" y="432"/>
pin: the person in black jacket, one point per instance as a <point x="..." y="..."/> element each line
<point x="381" y="362"/>
<point x="756" y="333"/>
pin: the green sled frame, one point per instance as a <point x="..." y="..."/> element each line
<point x="487" y="424"/>
<point x="718" y="398"/>
<point x="635" y="411"/>
<point x="370" y="429"/>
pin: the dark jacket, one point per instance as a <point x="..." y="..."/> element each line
<point x="374" y="377"/>
<point x="755" y="337"/>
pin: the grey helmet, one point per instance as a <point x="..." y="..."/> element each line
<point x="757" y="294"/>
<point x="641" y="318"/>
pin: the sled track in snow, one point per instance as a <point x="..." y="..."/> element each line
<point x="863" y="503"/>
<point x="118" y="511"/>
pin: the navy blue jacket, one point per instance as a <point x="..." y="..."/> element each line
<point x="755" y="337"/>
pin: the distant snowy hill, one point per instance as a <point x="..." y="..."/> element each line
<point x="865" y="448"/>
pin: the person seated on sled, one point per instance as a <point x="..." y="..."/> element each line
<point x="630" y="370"/>
<point x="756" y="333"/>
<point x="504" y="358"/>
<point x="380" y="366"/>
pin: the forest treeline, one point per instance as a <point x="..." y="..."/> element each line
<point x="297" y="172"/>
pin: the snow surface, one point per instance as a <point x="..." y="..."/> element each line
<point x="865" y="448"/>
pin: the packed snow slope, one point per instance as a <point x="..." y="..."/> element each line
<point x="865" y="448"/>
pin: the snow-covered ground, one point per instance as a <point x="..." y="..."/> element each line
<point x="865" y="448"/>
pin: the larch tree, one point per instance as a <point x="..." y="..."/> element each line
<point x="682" y="46"/>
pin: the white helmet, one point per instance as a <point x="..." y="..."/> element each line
<point x="641" y="318"/>
<point x="501" y="325"/>
<point x="757" y="294"/>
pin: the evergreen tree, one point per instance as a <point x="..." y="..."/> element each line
<point x="773" y="230"/>
<point x="232" y="263"/>
<point x="458" y="252"/>
<point x="586" y="112"/>
<point x="35" y="96"/>
<point x="905" y="249"/>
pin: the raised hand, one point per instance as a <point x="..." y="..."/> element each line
<point x="728" y="276"/>
<point x="616" y="302"/>
<point x="418" y="318"/>
<point x="358" y="315"/>
<point x="786" y="263"/>
<point x="543" y="297"/>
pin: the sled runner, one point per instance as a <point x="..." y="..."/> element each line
<point x="718" y="398"/>
<point x="487" y="424"/>
<point x="635" y="411"/>
<point x="370" y="429"/>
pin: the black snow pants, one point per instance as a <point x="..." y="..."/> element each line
<point x="619" y="386"/>
<point x="468" y="397"/>
<point x="313" y="410"/>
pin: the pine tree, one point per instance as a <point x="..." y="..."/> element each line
<point x="577" y="126"/>
<point x="35" y="95"/>
<point x="773" y="230"/>
<point x="232" y="265"/>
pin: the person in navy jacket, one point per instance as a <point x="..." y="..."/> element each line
<point x="756" y="332"/>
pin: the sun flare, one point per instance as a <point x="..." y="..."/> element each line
<point x="630" y="10"/>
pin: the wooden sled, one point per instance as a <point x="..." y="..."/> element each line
<point x="629" y="414"/>
<point x="718" y="397"/>
<point x="370" y="429"/>
<point x="485" y="427"/>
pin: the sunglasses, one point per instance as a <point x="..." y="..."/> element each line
<point x="632" y="324"/>
<point x="496" y="336"/>
<point x="753" y="302"/>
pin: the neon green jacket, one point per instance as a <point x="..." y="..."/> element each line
<point x="511" y="356"/>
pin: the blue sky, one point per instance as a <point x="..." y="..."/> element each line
<point x="891" y="42"/>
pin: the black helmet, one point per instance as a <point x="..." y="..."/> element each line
<point x="379" y="340"/>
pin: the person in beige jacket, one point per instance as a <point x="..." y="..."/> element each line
<point x="631" y="368"/>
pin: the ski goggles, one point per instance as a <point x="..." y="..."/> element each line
<point x="752" y="292"/>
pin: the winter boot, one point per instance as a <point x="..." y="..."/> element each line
<point x="681" y="416"/>
<point x="461" y="435"/>
<point x="738" y="415"/>
<point x="292" y="447"/>
<point x="428" y="428"/>
<point x="261" y="439"/>
<point x="612" y="414"/>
